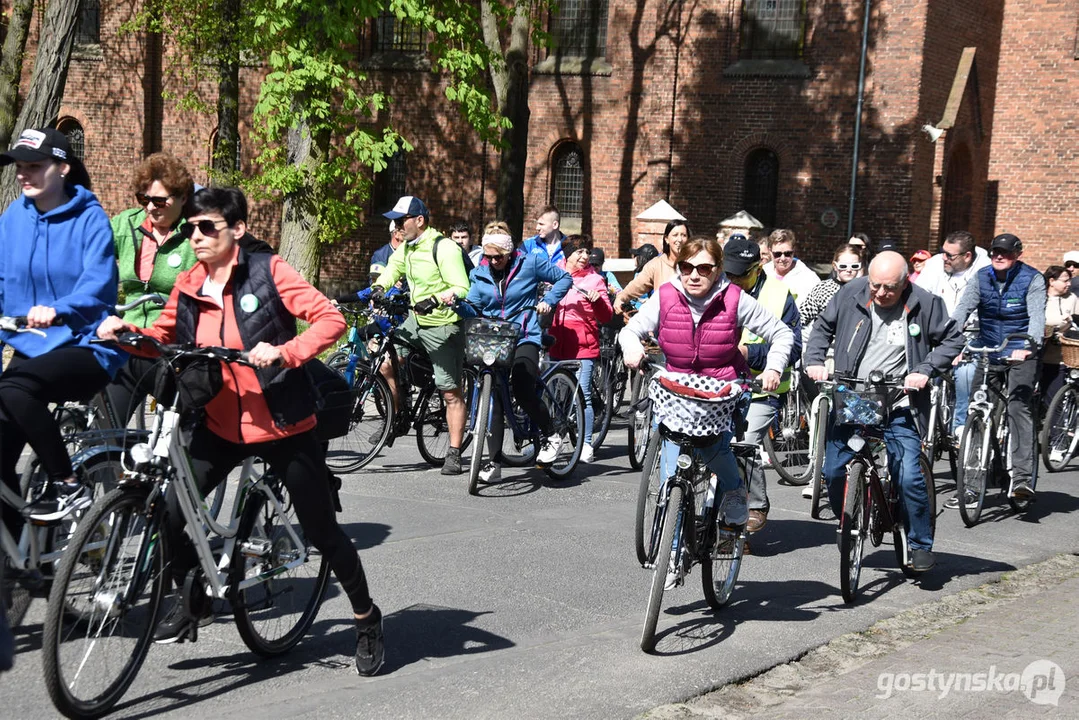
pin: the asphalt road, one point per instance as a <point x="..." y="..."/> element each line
<point x="527" y="602"/>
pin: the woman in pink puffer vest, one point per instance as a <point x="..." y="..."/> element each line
<point x="576" y="322"/>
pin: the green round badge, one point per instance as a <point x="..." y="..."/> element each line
<point x="249" y="303"/>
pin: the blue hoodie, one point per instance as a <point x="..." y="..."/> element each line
<point x="64" y="259"/>
<point x="525" y="274"/>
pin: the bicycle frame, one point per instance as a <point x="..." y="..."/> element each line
<point x="501" y="384"/>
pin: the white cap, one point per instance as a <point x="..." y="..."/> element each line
<point x="1071" y="255"/>
<point x="393" y="226"/>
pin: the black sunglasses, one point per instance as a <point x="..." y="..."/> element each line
<point x="1071" y="264"/>
<point x="703" y="269"/>
<point x="207" y="227"/>
<point x="159" y="201"/>
<point x="496" y="256"/>
<point x="784" y="253"/>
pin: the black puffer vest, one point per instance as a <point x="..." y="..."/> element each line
<point x="288" y="392"/>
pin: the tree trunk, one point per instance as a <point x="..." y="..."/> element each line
<point x="510" y="203"/>
<point x="299" y="218"/>
<point x="226" y="161"/>
<point x="11" y="65"/>
<point x="47" y="82"/>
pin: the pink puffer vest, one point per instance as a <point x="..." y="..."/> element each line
<point x="709" y="349"/>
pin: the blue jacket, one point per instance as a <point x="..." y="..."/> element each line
<point x="537" y="245"/>
<point x="63" y="259"/>
<point x="525" y="274"/>
<point x="1004" y="309"/>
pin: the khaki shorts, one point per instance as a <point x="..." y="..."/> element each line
<point x="444" y="345"/>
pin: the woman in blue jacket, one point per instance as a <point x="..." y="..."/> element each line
<point x="506" y="281"/>
<point x="57" y="262"/>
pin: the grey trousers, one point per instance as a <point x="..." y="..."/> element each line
<point x="762" y="412"/>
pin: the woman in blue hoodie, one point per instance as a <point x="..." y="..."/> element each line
<point x="505" y="281"/>
<point x="57" y="263"/>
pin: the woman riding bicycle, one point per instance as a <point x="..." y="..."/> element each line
<point x="58" y="262"/>
<point x="658" y="270"/>
<point x="506" y="281"/>
<point x="698" y="319"/>
<point x="251" y="302"/>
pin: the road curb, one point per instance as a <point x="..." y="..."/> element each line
<point x="766" y="691"/>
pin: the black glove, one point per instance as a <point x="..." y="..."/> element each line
<point x="377" y="292"/>
<point x="424" y="307"/>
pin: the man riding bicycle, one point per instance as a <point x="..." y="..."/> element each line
<point x="1009" y="296"/>
<point x="884" y="323"/>
<point x="436" y="275"/>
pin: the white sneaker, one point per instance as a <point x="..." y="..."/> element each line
<point x="766" y="460"/>
<point x="734" y="507"/>
<point x="587" y="453"/>
<point x="958" y="435"/>
<point x="491" y="472"/>
<point x="672" y="574"/>
<point x="807" y="491"/>
<point x="1056" y="455"/>
<point x="65" y="500"/>
<point x="550" y="450"/>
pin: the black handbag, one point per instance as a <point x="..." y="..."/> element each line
<point x="333" y="400"/>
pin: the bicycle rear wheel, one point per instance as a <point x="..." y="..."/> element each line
<point x="817" y="460"/>
<point x="368" y="427"/>
<point x="852" y="531"/>
<point x="273" y="613"/>
<point x="720" y="572"/>
<point x="480" y="432"/>
<point x="565" y="402"/>
<point x="640" y="428"/>
<point x="666" y="556"/>
<point x="1060" y="433"/>
<point x="975" y="459"/>
<point x="787" y="440"/>
<point x="602" y="401"/>
<point x="644" y="526"/>
<point x="104" y="604"/>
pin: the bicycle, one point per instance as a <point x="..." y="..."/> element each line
<point x="985" y="454"/>
<point x="872" y="505"/>
<point x="820" y="410"/>
<point x="490" y="348"/>
<point x="640" y="407"/>
<point x="1060" y="432"/>
<point x="788" y="441"/>
<point x="679" y="535"/>
<point x="107" y="596"/>
<point x="937" y="439"/>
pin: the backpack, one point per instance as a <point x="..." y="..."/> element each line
<point x="469" y="267"/>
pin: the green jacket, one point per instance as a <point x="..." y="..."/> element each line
<point x="173" y="257"/>
<point x="415" y="260"/>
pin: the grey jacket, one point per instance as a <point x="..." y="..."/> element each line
<point x="933" y="338"/>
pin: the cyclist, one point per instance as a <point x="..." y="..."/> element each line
<point x="435" y="271"/>
<point x="658" y="270"/>
<point x="743" y="268"/>
<point x="461" y="234"/>
<point x="788" y="268"/>
<point x="884" y="323"/>
<point x="380" y="257"/>
<point x="508" y="279"/>
<point x="57" y="261"/>
<point x="1010" y="297"/>
<point x="698" y="318"/>
<point x="847" y="264"/>
<point x="576" y="322"/>
<point x="251" y="301"/>
<point x="548" y="239"/>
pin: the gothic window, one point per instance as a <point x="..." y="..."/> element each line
<point x="88" y="31"/>
<point x="393" y="34"/>
<point x="761" y="188"/>
<point x="579" y="28"/>
<point x="567" y="186"/>
<point x="75" y="135"/>
<point x="773" y="29"/>
<point x="390" y="183"/>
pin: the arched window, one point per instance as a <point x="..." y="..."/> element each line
<point x="761" y="188"/>
<point x="773" y="29"/>
<point x="88" y="31"/>
<point x="213" y="150"/>
<point x="958" y="179"/>
<point x="75" y="135"/>
<point x="567" y="186"/>
<point x="579" y="28"/>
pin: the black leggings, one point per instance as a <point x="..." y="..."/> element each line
<point x="523" y="379"/>
<point x="27" y="386"/>
<point x="299" y="462"/>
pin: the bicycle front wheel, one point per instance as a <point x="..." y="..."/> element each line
<point x="787" y="440"/>
<point x="817" y="461"/>
<point x="278" y="578"/>
<point x="852" y="531"/>
<point x="972" y="474"/>
<point x="565" y="402"/>
<point x="602" y="401"/>
<point x="104" y="604"/>
<point x="368" y="427"/>
<point x="1060" y="434"/>
<point x="644" y="532"/>
<point x="479" y="433"/>
<point x="666" y="559"/>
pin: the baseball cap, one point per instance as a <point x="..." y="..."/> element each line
<point x="38" y="145"/>
<point x="393" y="226"/>
<point x="1008" y="242"/>
<point x="1071" y="256"/>
<point x="407" y="206"/>
<point x="740" y="254"/>
<point x="596" y="258"/>
<point x="645" y="249"/>
<point x="920" y="255"/>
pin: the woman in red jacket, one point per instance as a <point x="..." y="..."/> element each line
<point x="576" y="322"/>
<point x="251" y="302"/>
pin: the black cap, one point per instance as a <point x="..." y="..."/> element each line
<point x="1008" y="242"/>
<point x="647" y="248"/>
<point x="38" y="145"/>
<point x="596" y="258"/>
<point x="740" y="254"/>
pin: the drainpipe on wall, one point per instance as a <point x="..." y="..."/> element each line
<point x="858" y="119"/>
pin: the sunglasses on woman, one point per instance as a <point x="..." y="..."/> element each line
<point x="848" y="266"/>
<point x="783" y="253"/>
<point x="159" y="201"/>
<point x="703" y="269"/>
<point x="207" y="227"/>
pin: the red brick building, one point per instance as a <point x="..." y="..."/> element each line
<point x="715" y="105"/>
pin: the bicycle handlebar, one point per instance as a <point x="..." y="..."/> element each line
<point x="983" y="350"/>
<point x="17" y="323"/>
<point x="480" y="313"/>
<point x="151" y="298"/>
<point x="175" y="352"/>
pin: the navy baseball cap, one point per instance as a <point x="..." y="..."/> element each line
<point x="1007" y="242"/>
<point x="407" y="206"/>
<point x="740" y="254"/>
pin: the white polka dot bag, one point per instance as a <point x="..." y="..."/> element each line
<point x="695" y="405"/>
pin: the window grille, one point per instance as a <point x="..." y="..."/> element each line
<point x="89" y="29"/>
<point x="568" y="190"/>
<point x="579" y="28"/>
<point x="395" y="35"/>
<point x="75" y="135"/>
<point x="773" y="29"/>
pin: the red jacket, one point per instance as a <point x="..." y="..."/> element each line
<point x="576" y="322"/>
<point x="239" y="413"/>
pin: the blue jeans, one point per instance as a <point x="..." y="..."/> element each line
<point x="904" y="448"/>
<point x="718" y="457"/>
<point x="584" y="377"/>
<point x="964" y="378"/>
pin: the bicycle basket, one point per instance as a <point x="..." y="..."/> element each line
<point x="695" y="405"/>
<point x="1069" y="352"/>
<point x="868" y="406"/>
<point x="490" y="342"/>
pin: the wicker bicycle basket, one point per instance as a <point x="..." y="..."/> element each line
<point x="683" y="410"/>
<point x="491" y="343"/>
<point x="1069" y="352"/>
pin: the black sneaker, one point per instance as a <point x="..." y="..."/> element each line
<point x="921" y="560"/>
<point x="59" y="501"/>
<point x="370" y="644"/>
<point x="177" y="626"/>
<point x="452" y="466"/>
<point x="1022" y="490"/>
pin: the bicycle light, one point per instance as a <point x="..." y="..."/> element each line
<point x="140" y="453"/>
<point x="980" y="396"/>
<point x="684" y="461"/>
<point x="1073" y="374"/>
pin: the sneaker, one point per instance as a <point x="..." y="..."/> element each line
<point x="953" y="501"/>
<point x="452" y="465"/>
<point x="588" y="453"/>
<point x="491" y="472"/>
<point x="957" y="435"/>
<point x="1056" y="455"/>
<point x="59" y="501"/>
<point x="733" y="507"/>
<point x="178" y="626"/>
<point x="1022" y="490"/>
<point x="551" y="447"/>
<point x="370" y="643"/>
<point x="766" y="459"/>
<point x="807" y="491"/>
<point x="921" y="560"/>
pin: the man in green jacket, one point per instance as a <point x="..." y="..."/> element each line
<point x="435" y="271"/>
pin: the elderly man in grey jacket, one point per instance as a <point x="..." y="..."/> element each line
<point x="882" y="322"/>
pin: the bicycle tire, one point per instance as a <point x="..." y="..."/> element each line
<point x="640" y="430"/>
<point x="671" y="517"/>
<point x="720" y="573"/>
<point x="817" y="476"/>
<point x="565" y="402"/>
<point x="519" y="448"/>
<point x="1060" y="433"/>
<point x="480" y="433"/>
<point x="647" y="499"/>
<point x="602" y="402"/>
<point x="369" y="426"/>
<point x="975" y="458"/>
<point x="263" y="548"/>
<point x="107" y="550"/>
<point x="787" y="440"/>
<point x="432" y="430"/>
<point x="620" y="376"/>
<point x="852" y="531"/>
